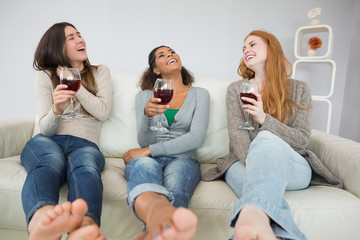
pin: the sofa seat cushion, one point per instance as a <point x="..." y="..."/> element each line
<point x="334" y="212"/>
<point x="12" y="177"/>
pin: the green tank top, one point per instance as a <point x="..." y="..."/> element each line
<point x="170" y="115"/>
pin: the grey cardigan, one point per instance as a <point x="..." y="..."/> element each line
<point x="296" y="133"/>
<point x="186" y="134"/>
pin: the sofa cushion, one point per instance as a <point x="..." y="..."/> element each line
<point x="14" y="135"/>
<point x="334" y="212"/>
<point x="216" y="143"/>
<point x="341" y="156"/>
<point x="118" y="132"/>
<point x="323" y="212"/>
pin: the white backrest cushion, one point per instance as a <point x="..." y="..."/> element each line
<point x="216" y="143"/>
<point x="118" y="133"/>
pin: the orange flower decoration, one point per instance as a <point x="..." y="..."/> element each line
<point x="315" y="43"/>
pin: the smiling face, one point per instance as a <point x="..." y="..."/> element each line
<point x="255" y="52"/>
<point x="166" y="61"/>
<point x="75" y="47"/>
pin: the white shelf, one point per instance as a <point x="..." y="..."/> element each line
<point x="302" y="31"/>
<point x="328" y="122"/>
<point x="322" y="59"/>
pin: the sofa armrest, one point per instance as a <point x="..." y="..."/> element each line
<point x="14" y="133"/>
<point x="341" y="156"/>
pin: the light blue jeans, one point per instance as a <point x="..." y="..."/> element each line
<point x="175" y="178"/>
<point x="272" y="166"/>
<point x="52" y="161"/>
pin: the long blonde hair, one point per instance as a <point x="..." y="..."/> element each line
<point x="275" y="96"/>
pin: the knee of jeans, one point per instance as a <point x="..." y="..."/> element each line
<point x="182" y="171"/>
<point x="181" y="165"/>
<point x="51" y="161"/>
<point x="267" y="145"/>
<point x="87" y="156"/>
<point x="87" y="169"/>
<point x="266" y="139"/>
<point x="236" y="173"/>
<point x="38" y="147"/>
<point x="39" y="139"/>
<point x="145" y="162"/>
<point x="56" y="161"/>
<point x="42" y="141"/>
<point x="265" y="135"/>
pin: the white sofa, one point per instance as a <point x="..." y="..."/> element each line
<point x="320" y="212"/>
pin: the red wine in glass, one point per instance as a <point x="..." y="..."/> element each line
<point x="73" y="84"/>
<point x="163" y="89"/>
<point x="164" y="94"/>
<point x="248" y="95"/>
<point x="246" y="90"/>
<point x="72" y="78"/>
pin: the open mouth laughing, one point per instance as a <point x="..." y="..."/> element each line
<point x="171" y="61"/>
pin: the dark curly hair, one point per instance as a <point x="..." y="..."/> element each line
<point x="148" y="78"/>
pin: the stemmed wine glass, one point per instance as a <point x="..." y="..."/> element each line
<point x="246" y="90"/>
<point x="163" y="89"/>
<point x="72" y="78"/>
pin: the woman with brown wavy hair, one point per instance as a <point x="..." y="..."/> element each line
<point x="264" y="163"/>
<point x="65" y="150"/>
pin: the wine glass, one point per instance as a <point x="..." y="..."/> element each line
<point x="72" y="78"/>
<point x="246" y="90"/>
<point x="163" y="89"/>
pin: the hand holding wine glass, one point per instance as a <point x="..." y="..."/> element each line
<point x="61" y="96"/>
<point x="72" y="78"/>
<point x="153" y="107"/>
<point x="247" y="90"/>
<point x="163" y="89"/>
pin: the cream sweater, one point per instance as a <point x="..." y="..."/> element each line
<point x="98" y="107"/>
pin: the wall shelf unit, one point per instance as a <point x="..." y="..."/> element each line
<point x="321" y="59"/>
<point x="320" y="29"/>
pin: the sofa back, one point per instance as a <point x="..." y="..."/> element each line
<point x="118" y="133"/>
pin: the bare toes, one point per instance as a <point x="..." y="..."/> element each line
<point x="79" y="207"/>
<point x="183" y="225"/>
<point x="66" y="206"/>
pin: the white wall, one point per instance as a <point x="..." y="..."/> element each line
<point x="208" y="35"/>
<point x="350" y="121"/>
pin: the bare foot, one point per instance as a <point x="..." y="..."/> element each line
<point x="170" y="224"/>
<point x="253" y="223"/>
<point x="183" y="226"/>
<point x="89" y="232"/>
<point x="50" y="223"/>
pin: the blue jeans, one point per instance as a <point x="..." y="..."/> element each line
<point x="51" y="161"/>
<point x="272" y="166"/>
<point x="175" y="178"/>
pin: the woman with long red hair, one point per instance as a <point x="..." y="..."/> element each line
<point x="265" y="162"/>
